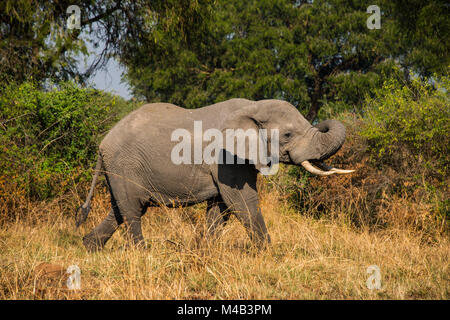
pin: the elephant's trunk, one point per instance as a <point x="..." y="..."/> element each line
<point x="328" y="138"/>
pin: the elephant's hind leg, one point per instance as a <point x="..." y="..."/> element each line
<point x="133" y="221"/>
<point x="98" y="237"/>
<point x="130" y="198"/>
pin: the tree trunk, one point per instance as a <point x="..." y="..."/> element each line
<point x="315" y="104"/>
<point x="313" y="110"/>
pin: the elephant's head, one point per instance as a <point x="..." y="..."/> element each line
<point x="300" y="143"/>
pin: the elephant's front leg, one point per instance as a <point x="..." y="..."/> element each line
<point x="246" y="209"/>
<point x="238" y="190"/>
<point x="216" y="216"/>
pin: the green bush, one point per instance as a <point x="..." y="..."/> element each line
<point x="50" y="137"/>
<point x="399" y="147"/>
<point x="407" y="123"/>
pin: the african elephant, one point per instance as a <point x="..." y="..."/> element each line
<point x="135" y="157"/>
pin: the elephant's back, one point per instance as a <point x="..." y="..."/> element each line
<point x="146" y="118"/>
<point x="152" y="114"/>
<point x="139" y="148"/>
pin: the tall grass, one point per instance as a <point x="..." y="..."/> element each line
<point x="309" y="258"/>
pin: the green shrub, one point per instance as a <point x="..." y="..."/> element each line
<point x="410" y="123"/>
<point x="399" y="146"/>
<point x="50" y="137"/>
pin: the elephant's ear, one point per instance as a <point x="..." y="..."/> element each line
<point x="242" y="136"/>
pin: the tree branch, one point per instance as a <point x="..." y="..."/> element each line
<point x="102" y="15"/>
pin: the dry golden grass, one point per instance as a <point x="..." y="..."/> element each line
<point x="309" y="258"/>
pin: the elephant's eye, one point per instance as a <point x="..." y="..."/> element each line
<point x="287" y="135"/>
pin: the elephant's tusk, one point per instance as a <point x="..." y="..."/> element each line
<point x="326" y="167"/>
<point x="308" y="166"/>
<point x="342" y="171"/>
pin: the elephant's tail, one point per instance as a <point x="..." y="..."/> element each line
<point x="81" y="217"/>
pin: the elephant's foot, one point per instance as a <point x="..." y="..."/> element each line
<point x="260" y="242"/>
<point x="92" y="244"/>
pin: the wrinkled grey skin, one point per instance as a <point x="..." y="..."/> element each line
<point x="135" y="157"/>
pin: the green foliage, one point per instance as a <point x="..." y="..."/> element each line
<point x="423" y="28"/>
<point x="305" y="52"/>
<point x="194" y="53"/>
<point x="260" y="50"/>
<point x="50" y="137"/>
<point x="36" y="43"/>
<point x="413" y="118"/>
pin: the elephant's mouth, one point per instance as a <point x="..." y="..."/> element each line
<point x="323" y="169"/>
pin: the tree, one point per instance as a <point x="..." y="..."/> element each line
<point x="193" y="53"/>
<point x="305" y="52"/>
<point x="423" y="29"/>
<point x="36" y="43"/>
